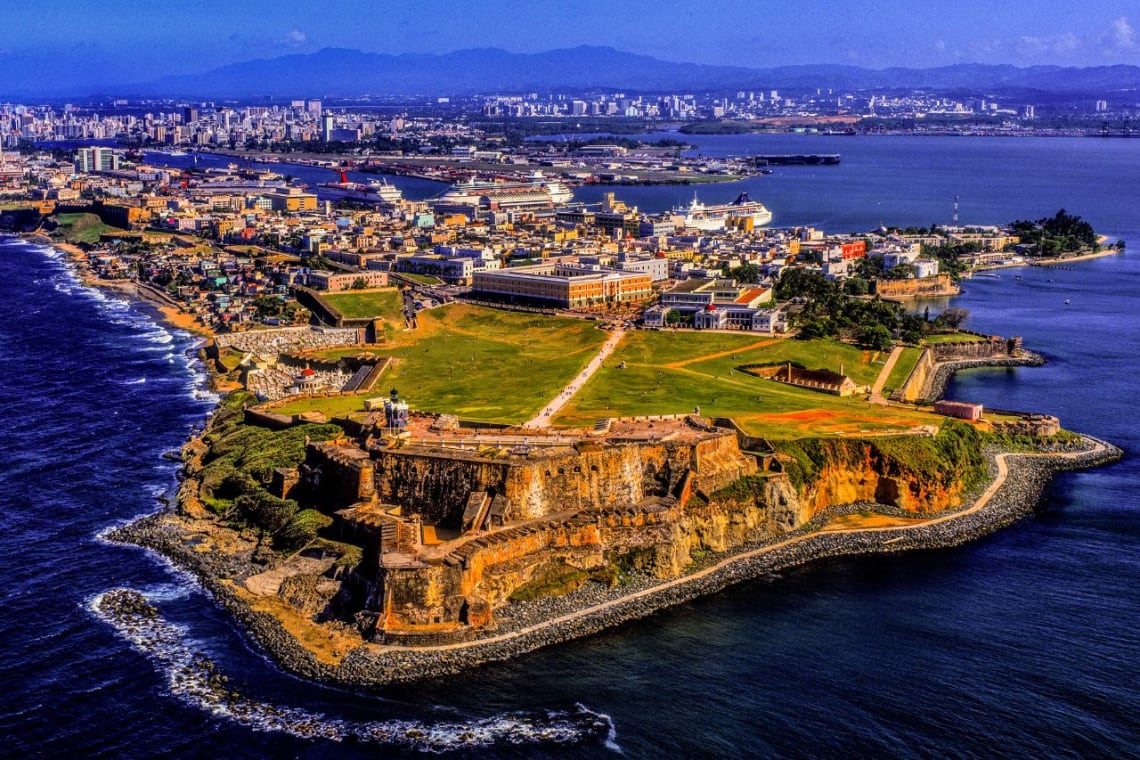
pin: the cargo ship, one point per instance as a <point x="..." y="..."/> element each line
<point x="698" y="216"/>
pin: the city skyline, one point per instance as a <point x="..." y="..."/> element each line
<point x="118" y="43"/>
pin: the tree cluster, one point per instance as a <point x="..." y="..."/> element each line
<point x="1053" y="236"/>
<point x="830" y="312"/>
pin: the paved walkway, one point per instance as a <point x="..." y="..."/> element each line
<point x="982" y="501"/>
<point x="884" y="373"/>
<point x="550" y="411"/>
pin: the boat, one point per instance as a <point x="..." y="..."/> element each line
<point x="716" y="217"/>
<point x="376" y="191"/>
<point x="1067" y="302"/>
<point x="535" y="191"/>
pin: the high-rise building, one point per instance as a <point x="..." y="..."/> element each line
<point x="96" y="159"/>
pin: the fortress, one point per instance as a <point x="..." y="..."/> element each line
<point x="455" y="525"/>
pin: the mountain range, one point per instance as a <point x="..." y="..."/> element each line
<point x="338" y="72"/>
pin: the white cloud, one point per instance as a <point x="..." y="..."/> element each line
<point x="1052" y="45"/>
<point x="296" y="38"/>
<point x="1121" y="36"/>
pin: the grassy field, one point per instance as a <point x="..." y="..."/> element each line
<point x="81" y="228"/>
<point x="361" y="304"/>
<point x="498" y="366"/>
<point x="477" y="363"/>
<point x="902" y="369"/>
<point x="422" y="279"/>
<point x="955" y="337"/>
<point x="670" y="373"/>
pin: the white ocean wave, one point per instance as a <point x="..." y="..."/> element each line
<point x="193" y="677"/>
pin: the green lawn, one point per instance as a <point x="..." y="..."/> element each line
<point x="362" y="304"/>
<point x="423" y="279"/>
<point x="485" y="364"/>
<point x="954" y="337"/>
<point x="902" y="369"/>
<point x="81" y="228"/>
<point x="672" y="373"/>
<point x="478" y="363"/>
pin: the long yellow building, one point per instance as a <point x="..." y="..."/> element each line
<point x="564" y="286"/>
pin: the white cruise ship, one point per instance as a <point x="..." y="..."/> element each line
<point x="537" y="190"/>
<point x="376" y="191"/>
<point x="698" y="216"/>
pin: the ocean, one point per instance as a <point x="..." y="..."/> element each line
<point x="1022" y="644"/>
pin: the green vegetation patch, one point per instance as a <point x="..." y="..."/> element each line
<point x="478" y="363"/>
<point x="423" y="279"/>
<point x="364" y="304"/>
<point x="674" y="373"/>
<point x="902" y="369"/>
<point x="954" y="337"/>
<point x="81" y="228"/>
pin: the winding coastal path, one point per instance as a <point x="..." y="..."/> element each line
<point x="543" y="418"/>
<point x="977" y="506"/>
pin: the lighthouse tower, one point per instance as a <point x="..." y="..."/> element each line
<point x="396" y="413"/>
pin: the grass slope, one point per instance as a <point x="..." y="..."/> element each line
<point x="81" y="228"/>
<point x="478" y="363"/>
<point x="671" y="373"/>
<point x="362" y="304"/>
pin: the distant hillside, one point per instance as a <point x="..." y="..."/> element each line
<point x="339" y="72"/>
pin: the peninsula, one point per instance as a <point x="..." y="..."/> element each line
<point x="365" y="540"/>
<point x="460" y="431"/>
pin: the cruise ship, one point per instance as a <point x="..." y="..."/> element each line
<point x="375" y="192"/>
<point x="701" y="217"/>
<point x="535" y="192"/>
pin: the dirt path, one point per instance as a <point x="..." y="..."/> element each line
<point x="884" y="373"/>
<point x="552" y="407"/>
<point x="720" y="354"/>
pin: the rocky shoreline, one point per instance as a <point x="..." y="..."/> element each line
<point x="592" y="609"/>
<point x="936" y="385"/>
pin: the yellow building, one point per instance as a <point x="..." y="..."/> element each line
<point x="292" y="200"/>
<point x="564" y="286"/>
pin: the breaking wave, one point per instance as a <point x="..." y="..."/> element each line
<point x="193" y="677"/>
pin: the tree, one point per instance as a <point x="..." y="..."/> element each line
<point x="266" y="511"/>
<point x="874" y="337"/>
<point x="954" y="317"/>
<point x="746" y="273"/>
<point x="359" y="284"/>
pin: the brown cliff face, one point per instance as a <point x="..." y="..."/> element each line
<point x="553" y="481"/>
<point x="748" y="510"/>
<point x="598" y="510"/>
<point x="857" y="471"/>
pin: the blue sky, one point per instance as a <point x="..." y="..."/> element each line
<point x="122" y="41"/>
